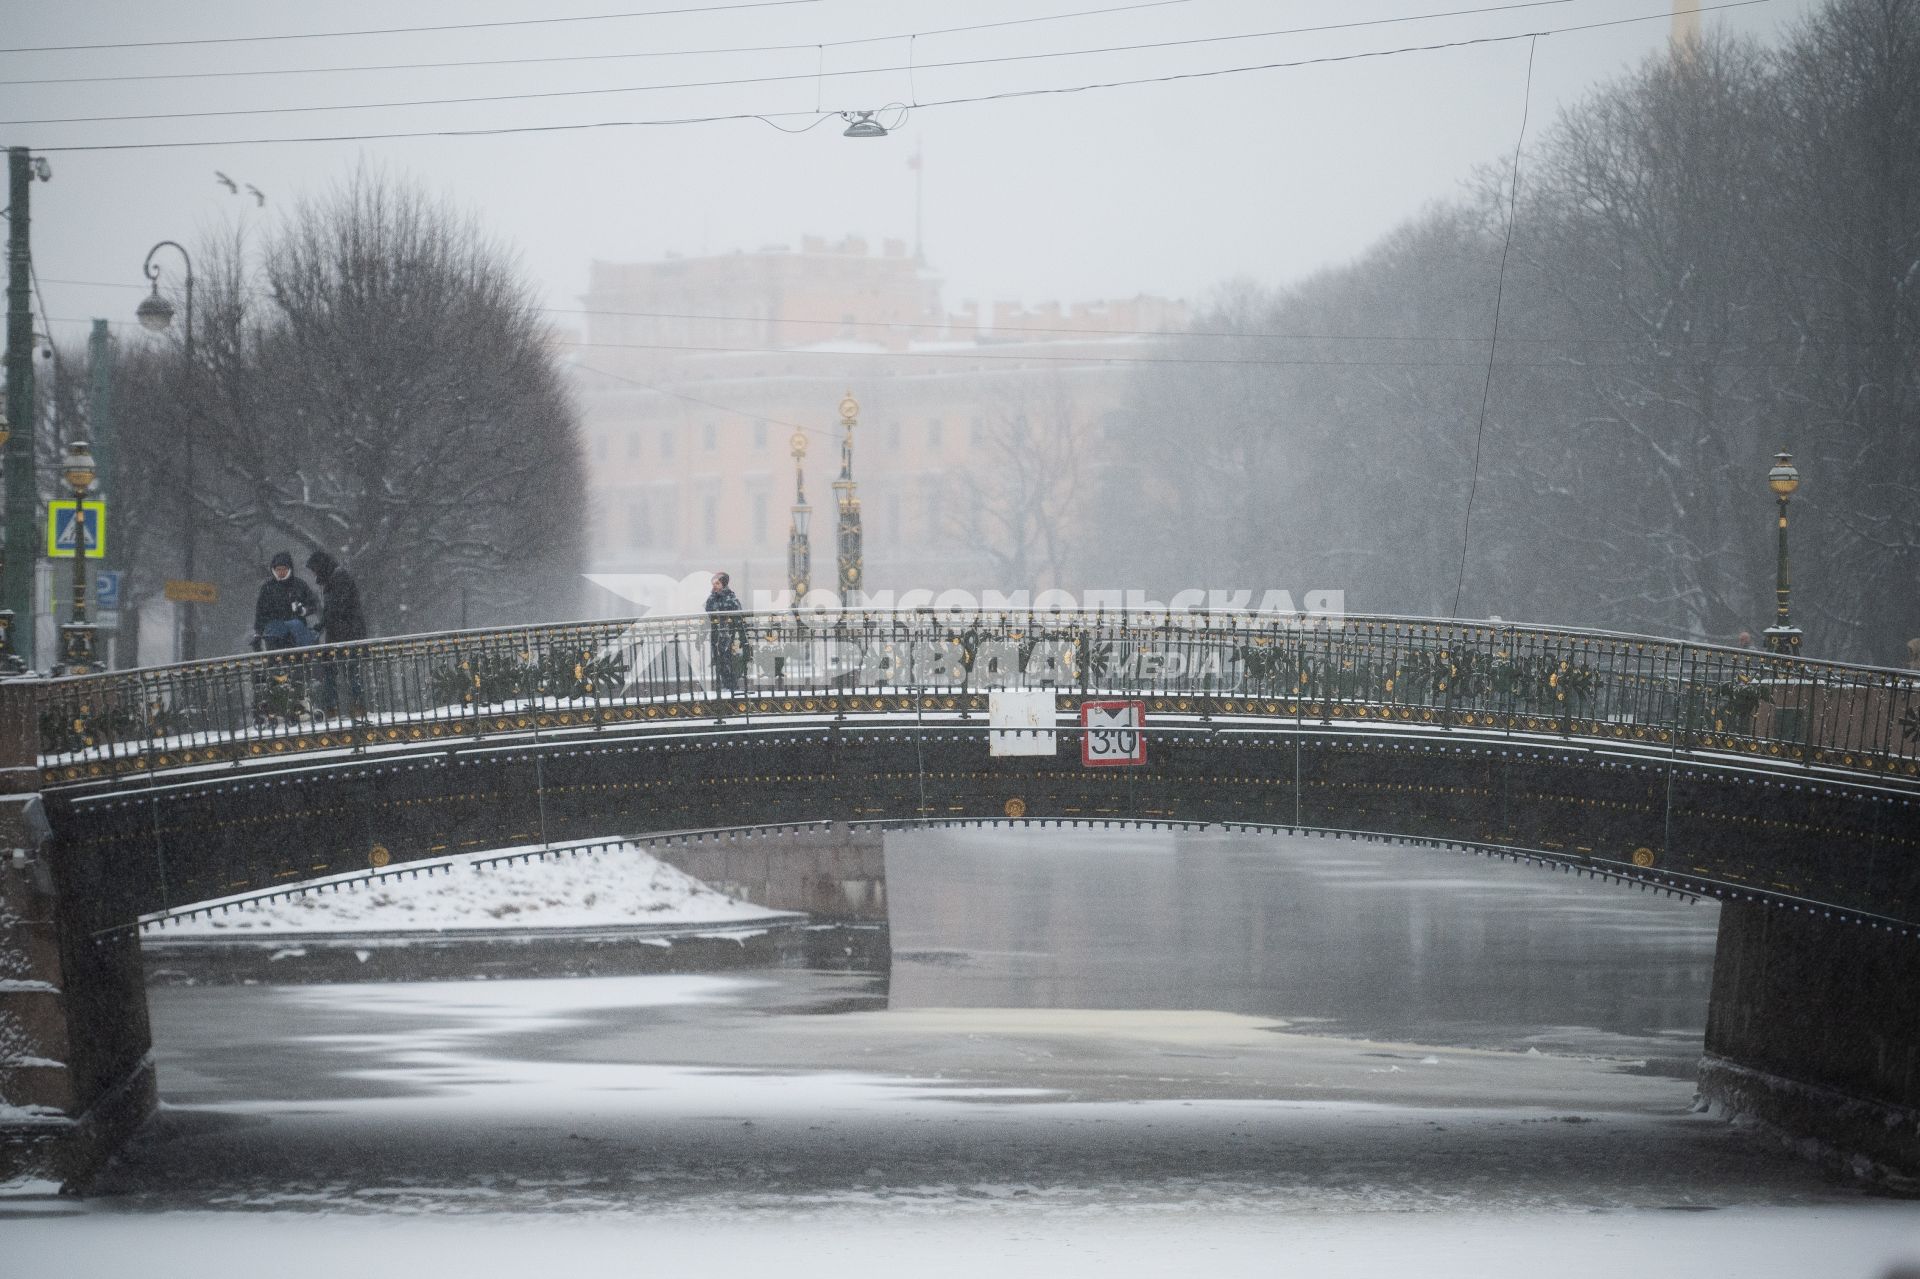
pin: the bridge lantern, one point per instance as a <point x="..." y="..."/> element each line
<point x="1783" y="636"/>
<point x="1783" y="479"/>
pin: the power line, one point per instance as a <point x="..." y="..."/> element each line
<point x="978" y="355"/>
<point x="396" y="31"/>
<point x="605" y="57"/>
<point x="1085" y="334"/>
<point x="767" y="117"/>
<point x="694" y="399"/>
<point x="786" y="78"/>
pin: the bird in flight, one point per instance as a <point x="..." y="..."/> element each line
<point x="259" y="196"/>
<point x="226" y="182"/>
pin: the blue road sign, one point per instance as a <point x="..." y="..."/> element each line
<point x="106" y="588"/>
<point x="63" y="530"/>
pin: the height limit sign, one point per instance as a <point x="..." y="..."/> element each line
<point x="1113" y="734"/>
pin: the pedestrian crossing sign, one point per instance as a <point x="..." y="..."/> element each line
<point x="64" y="531"/>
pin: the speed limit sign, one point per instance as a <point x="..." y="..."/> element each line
<point x="1113" y="733"/>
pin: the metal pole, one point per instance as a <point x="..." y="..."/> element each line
<point x="16" y="573"/>
<point x="189" y="523"/>
<point x="1783" y="578"/>
<point x="100" y="427"/>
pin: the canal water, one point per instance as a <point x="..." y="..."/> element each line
<point x="1112" y="1052"/>
<point x="1340" y="936"/>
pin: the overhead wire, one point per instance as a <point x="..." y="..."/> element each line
<point x="767" y="117"/>
<point x="397" y="31"/>
<point x="820" y="74"/>
<point x="1083" y="332"/>
<point x="985" y="355"/>
<point x="1493" y="338"/>
<point x="609" y="57"/>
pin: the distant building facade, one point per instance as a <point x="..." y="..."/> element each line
<point x="978" y="440"/>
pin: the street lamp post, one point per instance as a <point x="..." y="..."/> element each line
<point x="76" y="637"/>
<point x="8" y="659"/>
<point x="155" y="313"/>
<point x="799" y="546"/>
<point x="1783" y="637"/>
<point x="852" y="572"/>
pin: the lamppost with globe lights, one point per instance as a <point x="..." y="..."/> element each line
<point x="155" y="314"/>
<point x="76" y="637"/>
<point x="1783" y="637"/>
<point x="799" y="546"/>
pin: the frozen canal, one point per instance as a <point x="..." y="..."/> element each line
<point x="1094" y="1053"/>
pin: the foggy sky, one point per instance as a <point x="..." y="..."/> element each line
<point x="1168" y="188"/>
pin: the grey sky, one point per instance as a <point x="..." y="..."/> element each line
<point x="1165" y="188"/>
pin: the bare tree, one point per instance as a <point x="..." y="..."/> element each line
<point x="382" y="387"/>
<point x="1019" y="507"/>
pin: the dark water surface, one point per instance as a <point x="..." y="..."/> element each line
<point x="1340" y="937"/>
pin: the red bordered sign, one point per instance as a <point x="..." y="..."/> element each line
<point x="1114" y="734"/>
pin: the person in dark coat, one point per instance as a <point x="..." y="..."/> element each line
<point x="727" y="635"/>
<point x="281" y="609"/>
<point x="342" y="620"/>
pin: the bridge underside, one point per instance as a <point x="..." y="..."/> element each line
<point x="132" y="849"/>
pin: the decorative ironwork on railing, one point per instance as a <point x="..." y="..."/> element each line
<point x="1418" y="673"/>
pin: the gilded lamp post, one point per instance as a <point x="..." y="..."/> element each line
<point x="851" y="571"/>
<point x="1783" y="637"/>
<point x="76" y="637"/>
<point x="799" y="548"/>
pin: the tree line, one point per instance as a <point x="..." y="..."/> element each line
<point x="1713" y="258"/>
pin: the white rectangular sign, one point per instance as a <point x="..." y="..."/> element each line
<point x="1020" y="721"/>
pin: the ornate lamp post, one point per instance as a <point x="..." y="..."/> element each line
<point x="799" y="548"/>
<point x="8" y="659"/>
<point x="852" y="570"/>
<point x="1783" y="637"/>
<point x="155" y="313"/>
<point x="76" y="637"/>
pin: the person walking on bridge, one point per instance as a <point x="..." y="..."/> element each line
<point x="342" y="620"/>
<point x="727" y="634"/>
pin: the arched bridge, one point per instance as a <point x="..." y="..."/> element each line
<point x="1707" y="769"/>
<point x="1786" y="787"/>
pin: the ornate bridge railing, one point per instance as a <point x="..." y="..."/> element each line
<point x="1406" y="672"/>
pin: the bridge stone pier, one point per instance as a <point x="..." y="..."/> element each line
<point x="836" y="876"/>
<point x="76" y="1072"/>
<point x="1814" y="1028"/>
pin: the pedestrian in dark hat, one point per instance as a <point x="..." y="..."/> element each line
<point x="342" y="621"/>
<point x="281" y="609"/>
<point x="727" y="635"/>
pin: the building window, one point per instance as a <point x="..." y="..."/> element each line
<point x="710" y="520"/>
<point x="759" y="433"/>
<point x="709" y="437"/>
<point x="602" y="448"/>
<point x="934" y="433"/>
<point x="633" y="446"/>
<point x="639" y="527"/>
<point x="759" y="519"/>
<point x="666" y="442"/>
<point x="893" y="437"/>
<point x="893" y="518"/>
<point x="976" y="432"/>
